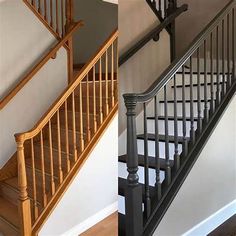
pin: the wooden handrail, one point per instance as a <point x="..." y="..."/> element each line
<point x="39" y="65"/>
<point x="53" y="109"/>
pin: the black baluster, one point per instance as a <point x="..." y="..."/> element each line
<point x="192" y="131"/>
<point x="233" y="44"/>
<point x="206" y="110"/>
<point x="228" y="55"/>
<point x="223" y="59"/>
<point x="199" y="108"/>
<point x="167" y="153"/>
<point x="147" y="203"/>
<point x="217" y="68"/>
<point x="165" y="9"/>
<point x="212" y="77"/>
<point x="185" y="144"/>
<point x="154" y="3"/>
<point x="157" y="151"/>
<point x="176" y="155"/>
<point x="159" y="7"/>
<point x="133" y="193"/>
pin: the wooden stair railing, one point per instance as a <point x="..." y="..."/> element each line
<point x="146" y="204"/>
<point x="50" y="155"/>
<point x="49" y="55"/>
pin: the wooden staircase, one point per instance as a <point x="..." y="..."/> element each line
<point x="49" y="156"/>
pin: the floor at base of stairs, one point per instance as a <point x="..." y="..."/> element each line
<point x="228" y="228"/>
<point x="107" y="227"/>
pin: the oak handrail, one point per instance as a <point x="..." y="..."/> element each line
<point x="21" y="137"/>
<point x="4" y="101"/>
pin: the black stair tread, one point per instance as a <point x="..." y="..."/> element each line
<point x="195" y="85"/>
<point x="187" y="101"/>
<point x="162" y="138"/>
<point x="151" y="161"/>
<point x="121" y="224"/>
<point x="171" y="118"/>
<point x="122" y="183"/>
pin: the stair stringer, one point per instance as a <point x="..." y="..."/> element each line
<point x="180" y="177"/>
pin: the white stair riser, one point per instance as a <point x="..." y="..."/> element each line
<point x="122" y="172"/>
<point x="151" y="148"/>
<point x="161" y="127"/>
<point x="170" y="109"/>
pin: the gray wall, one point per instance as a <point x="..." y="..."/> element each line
<point x="100" y="20"/>
<point x="190" y="23"/>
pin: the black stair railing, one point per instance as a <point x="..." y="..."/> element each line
<point x="211" y="61"/>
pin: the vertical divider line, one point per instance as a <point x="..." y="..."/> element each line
<point x="106" y="83"/>
<point x="228" y="84"/>
<point x="212" y="77"/>
<point x="81" y="132"/>
<point x="206" y="110"/>
<point x="167" y="153"/>
<point x="157" y="151"/>
<point x="74" y="128"/>
<point x="62" y="18"/>
<point x="34" y="181"/>
<point x="233" y="44"/>
<point x="57" y="16"/>
<point x="112" y="76"/>
<point x="100" y="90"/>
<point x="147" y="203"/>
<point x="223" y="59"/>
<point x="51" y="13"/>
<point x="45" y="10"/>
<point x="88" y="110"/>
<point x="199" y="109"/>
<point x="217" y="68"/>
<point x="51" y="158"/>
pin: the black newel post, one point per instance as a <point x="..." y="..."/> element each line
<point x="133" y="194"/>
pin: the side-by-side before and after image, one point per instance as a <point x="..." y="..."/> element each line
<point x="117" y="117"/>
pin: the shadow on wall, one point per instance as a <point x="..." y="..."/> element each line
<point x="199" y="14"/>
<point x="100" y="20"/>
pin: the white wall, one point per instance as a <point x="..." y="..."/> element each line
<point x="137" y="74"/>
<point x="100" y="20"/>
<point x="210" y="185"/>
<point x="23" y="39"/>
<point x="92" y="191"/>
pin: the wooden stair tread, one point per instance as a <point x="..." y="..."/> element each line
<point x="151" y="161"/>
<point x="151" y="137"/>
<point x="9" y="212"/>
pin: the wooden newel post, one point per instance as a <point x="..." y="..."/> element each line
<point x="23" y="201"/>
<point x="69" y="23"/>
<point x="133" y="193"/>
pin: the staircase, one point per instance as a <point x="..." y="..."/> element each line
<point x="49" y="156"/>
<point x="179" y="113"/>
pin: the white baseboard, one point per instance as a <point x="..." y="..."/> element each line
<point x="91" y="221"/>
<point x="212" y="222"/>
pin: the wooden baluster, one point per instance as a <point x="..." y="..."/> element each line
<point x="112" y="76"/>
<point x="45" y="10"/>
<point x="81" y="133"/>
<point x="192" y="131"/>
<point x="100" y="91"/>
<point x="51" y="14"/>
<point x="167" y="152"/>
<point x="88" y="109"/>
<point x="176" y="155"/>
<point x="217" y="68"/>
<point x="43" y="170"/>
<point x="57" y="17"/>
<point x="94" y="101"/>
<point x="233" y="44"/>
<point x="62" y="18"/>
<point x="199" y="108"/>
<point x="157" y="151"/>
<point x="223" y="59"/>
<point x="39" y="6"/>
<point x="35" y="205"/>
<point x="106" y="85"/>
<point x="59" y="147"/>
<point x="212" y="76"/>
<point x="147" y="202"/>
<point x="206" y="110"/>
<point x="24" y="201"/>
<point x="67" y="138"/>
<point x="74" y="127"/>
<point x="51" y="158"/>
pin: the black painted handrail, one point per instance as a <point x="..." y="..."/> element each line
<point x="179" y="62"/>
<point x="149" y="36"/>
